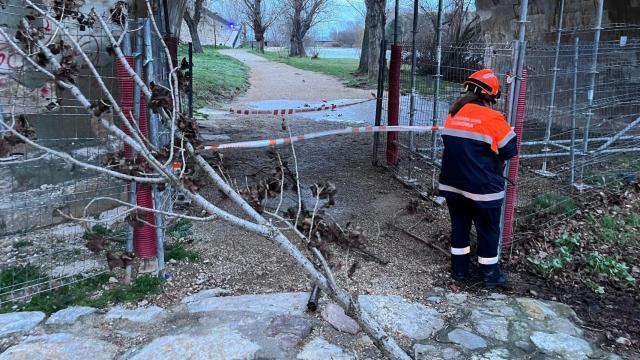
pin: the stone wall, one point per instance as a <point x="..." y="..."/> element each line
<point x="499" y="17"/>
<point x="211" y="32"/>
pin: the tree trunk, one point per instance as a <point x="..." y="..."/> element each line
<point x="259" y="40"/>
<point x="373" y="35"/>
<point x="193" y="30"/>
<point x="297" y="46"/>
<point x="364" y="50"/>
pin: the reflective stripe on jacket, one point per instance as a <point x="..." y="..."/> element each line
<point x="477" y="142"/>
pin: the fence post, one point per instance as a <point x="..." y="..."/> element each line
<point x="131" y="187"/>
<point x="591" y="93"/>
<point x="412" y="97"/>
<point x="516" y="117"/>
<point x="436" y="93"/>
<point x="394" y="92"/>
<point x="552" y="101"/>
<point x="379" y="95"/>
<point x="154" y="137"/>
<point x="191" y="80"/>
<point x="574" y="100"/>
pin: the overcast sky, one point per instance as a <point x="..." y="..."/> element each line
<point x="340" y="15"/>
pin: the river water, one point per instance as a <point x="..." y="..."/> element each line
<point x="329" y="52"/>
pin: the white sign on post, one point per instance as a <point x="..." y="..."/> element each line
<point x="623" y="41"/>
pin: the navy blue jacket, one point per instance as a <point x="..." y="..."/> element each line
<point x="477" y="142"/>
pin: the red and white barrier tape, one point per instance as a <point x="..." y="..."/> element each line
<point x="315" y="135"/>
<point x="276" y="112"/>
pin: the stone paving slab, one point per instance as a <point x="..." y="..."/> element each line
<point x="205" y="325"/>
<point x="60" y="346"/>
<point x="280" y="303"/>
<point x="396" y="314"/>
<point x="70" y="315"/>
<point x="223" y="344"/>
<point x="140" y="315"/>
<point x="19" y="322"/>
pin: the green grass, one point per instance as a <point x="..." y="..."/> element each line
<point x="555" y="203"/>
<point x="178" y="252"/>
<point x="141" y="287"/>
<point x="342" y="69"/>
<point x="87" y="293"/>
<point x="18" y="275"/>
<point x="633" y="219"/>
<point x="216" y="78"/>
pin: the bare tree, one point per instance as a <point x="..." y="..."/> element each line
<point x="460" y="28"/>
<point x="303" y="15"/>
<point x="261" y="15"/>
<point x="373" y="36"/>
<point x="192" y="17"/>
<point x="58" y="64"/>
<point x="350" y="36"/>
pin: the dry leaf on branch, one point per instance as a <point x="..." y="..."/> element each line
<point x="160" y="98"/>
<point x="119" y="13"/>
<point x="119" y="261"/>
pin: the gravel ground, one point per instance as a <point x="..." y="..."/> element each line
<point x="368" y="197"/>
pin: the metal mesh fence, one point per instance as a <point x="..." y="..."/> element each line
<point x="581" y="127"/>
<point x="40" y="248"/>
<point x="418" y="159"/>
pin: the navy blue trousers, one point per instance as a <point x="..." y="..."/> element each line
<point x="463" y="213"/>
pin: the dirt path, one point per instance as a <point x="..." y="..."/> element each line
<point x="272" y="80"/>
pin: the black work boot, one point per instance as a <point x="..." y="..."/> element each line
<point x="459" y="267"/>
<point x="492" y="276"/>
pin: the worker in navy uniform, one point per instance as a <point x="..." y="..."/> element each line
<point x="477" y="143"/>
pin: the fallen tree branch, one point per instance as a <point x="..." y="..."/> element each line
<point x="429" y="243"/>
<point x="385" y="342"/>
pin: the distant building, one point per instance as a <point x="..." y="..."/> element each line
<point x="214" y="30"/>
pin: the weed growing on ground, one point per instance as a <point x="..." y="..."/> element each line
<point x="555" y="203"/>
<point x="565" y="247"/>
<point x="178" y="252"/>
<point x="19" y="275"/>
<point x="633" y="219"/>
<point x="610" y="267"/>
<point x="598" y="289"/>
<point x="180" y="229"/>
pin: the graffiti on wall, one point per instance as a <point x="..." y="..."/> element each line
<point x="19" y="81"/>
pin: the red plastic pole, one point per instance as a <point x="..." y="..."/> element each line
<point x="144" y="238"/>
<point x="145" y="242"/>
<point x="514" y="165"/>
<point x="394" y="103"/>
<point x="126" y="86"/>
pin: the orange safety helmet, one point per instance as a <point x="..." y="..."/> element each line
<point x="483" y="82"/>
